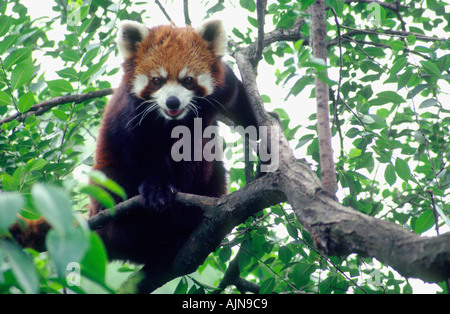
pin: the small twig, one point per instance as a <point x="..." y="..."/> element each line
<point x="387" y="5"/>
<point x="389" y="33"/>
<point x="163" y="10"/>
<point x="13" y="100"/>
<point x="261" y="13"/>
<point x="45" y="106"/>
<point x="187" y="19"/>
<point x="435" y="213"/>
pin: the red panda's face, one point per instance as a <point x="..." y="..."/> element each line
<point x="173" y="66"/>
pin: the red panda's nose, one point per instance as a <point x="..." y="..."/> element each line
<point x="173" y="103"/>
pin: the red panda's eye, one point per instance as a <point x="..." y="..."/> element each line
<point x="187" y="81"/>
<point x="157" y="81"/>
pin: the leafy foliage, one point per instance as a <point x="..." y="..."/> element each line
<point x="389" y="76"/>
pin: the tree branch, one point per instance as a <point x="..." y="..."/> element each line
<point x="187" y="19"/>
<point x="261" y="13"/>
<point x="232" y="277"/>
<point x="386" y="5"/>
<point x="319" y="32"/>
<point x="45" y="106"/>
<point x="163" y="10"/>
<point x="339" y="230"/>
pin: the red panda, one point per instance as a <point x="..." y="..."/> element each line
<point x="172" y="75"/>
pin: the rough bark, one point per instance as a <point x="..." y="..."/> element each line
<point x="319" y="43"/>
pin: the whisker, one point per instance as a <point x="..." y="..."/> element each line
<point x="215" y="103"/>
<point x="153" y="105"/>
<point x="194" y="108"/>
<point x="147" y="111"/>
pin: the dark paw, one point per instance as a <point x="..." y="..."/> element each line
<point x="156" y="194"/>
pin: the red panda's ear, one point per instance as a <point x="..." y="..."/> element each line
<point x="213" y="32"/>
<point x="130" y="34"/>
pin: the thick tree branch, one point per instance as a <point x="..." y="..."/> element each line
<point x="339" y="230"/>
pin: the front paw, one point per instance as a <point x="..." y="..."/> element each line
<point x="156" y="194"/>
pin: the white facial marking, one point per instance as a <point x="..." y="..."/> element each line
<point x="184" y="73"/>
<point x="140" y="82"/>
<point x="173" y="89"/>
<point x="161" y="72"/>
<point x="207" y="82"/>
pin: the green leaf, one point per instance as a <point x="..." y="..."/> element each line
<point x="99" y="194"/>
<point x="285" y="254"/>
<point x="304" y="140"/>
<point x="70" y="56"/>
<point x="354" y="152"/>
<point x="292" y="231"/>
<point x="425" y="221"/>
<point x="5" y="99"/>
<point x="428" y="103"/>
<point x="225" y="253"/>
<point x="302" y="273"/>
<point x="21" y="74"/>
<point x="7" y="42"/>
<point x="60" y="114"/>
<point x="397" y="45"/>
<point x="54" y="205"/>
<point x="306" y="4"/>
<point x="374" y="51"/>
<point x="389" y="174"/>
<point x="5" y="24"/>
<point x="249" y="5"/>
<point x="68" y="247"/>
<point x="25" y="102"/>
<point x="101" y="179"/>
<point x="68" y="73"/>
<point x="398" y="65"/>
<point x="182" y="286"/>
<point x="386" y="97"/>
<point x="9" y="182"/>
<point x="91" y="73"/>
<point x="267" y="286"/>
<point x="431" y="69"/>
<point x="244" y="258"/>
<point x="402" y="169"/>
<point x="338" y="6"/>
<point x="95" y="260"/>
<point x="300" y="85"/>
<point x="60" y="86"/>
<point x="17" y="56"/>
<point x="10" y="205"/>
<point x="411" y="39"/>
<point x="34" y="165"/>
<point x="22" y="267"/>
<point x="89" y="56"/>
